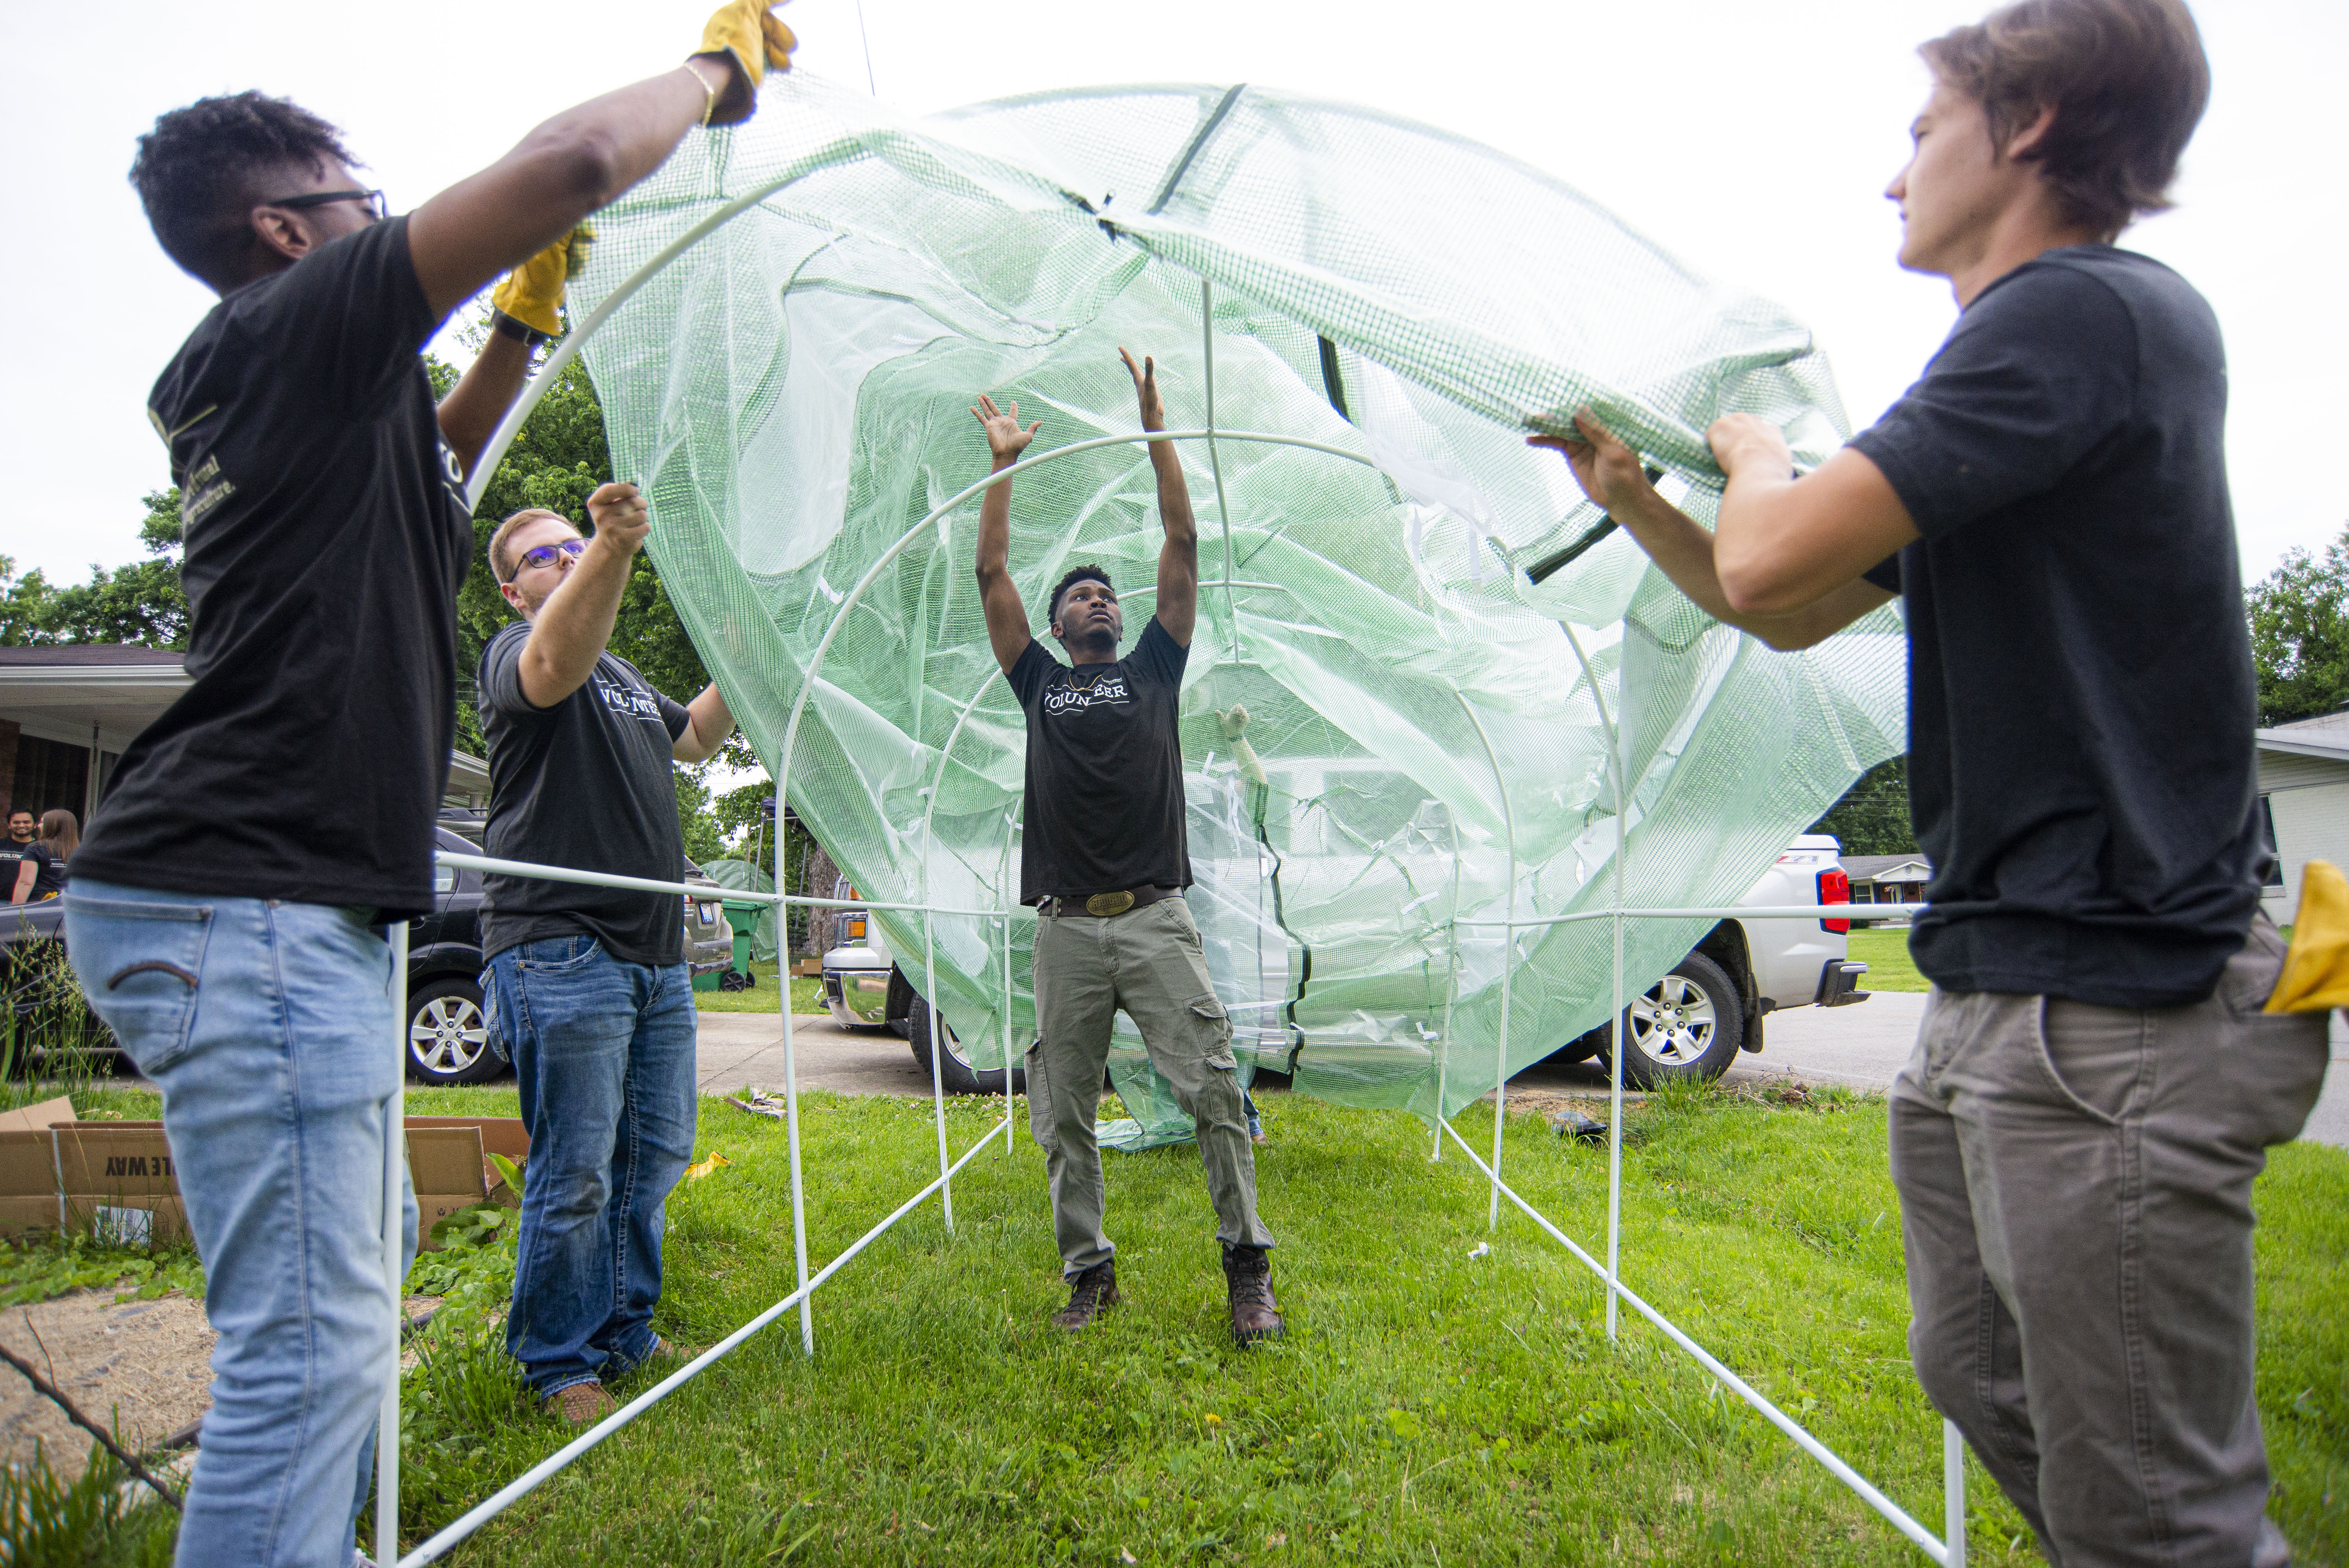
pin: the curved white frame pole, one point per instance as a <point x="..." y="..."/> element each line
<point x="1508" y="962"/>
<point x="576" y="338"/>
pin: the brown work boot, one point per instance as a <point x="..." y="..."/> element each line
<point x="1247" y="1271"/>
<point x="1091" y="1294"/>
<point x="581" y="1405"/>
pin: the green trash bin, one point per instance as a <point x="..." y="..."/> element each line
<point x="744" y="919"/>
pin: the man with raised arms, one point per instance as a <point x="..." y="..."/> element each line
<point x="229" y="909"/>
<point x="2095" y="1083"/>
<point x="1105" y="861"/>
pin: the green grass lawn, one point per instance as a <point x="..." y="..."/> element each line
<point x="807" y="995"/>
<point x="1427" y="1407"/>
<point x="1885" y="951"/>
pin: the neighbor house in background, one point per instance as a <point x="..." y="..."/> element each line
<point x="2305" y="795"/>
<point x="67" y="712"/>
<point x="1888" y="879"/>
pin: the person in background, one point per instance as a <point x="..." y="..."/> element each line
<point x="587" y="986"/>
<point x="2095" y="1083"/>
<point x="1106" y="862"/>
<point x="22" y="857"/>
<point x="230" y="904"/>
<point x="60" y="836"/>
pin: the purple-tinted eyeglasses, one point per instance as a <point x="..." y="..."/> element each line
<point x="545" y="553"/>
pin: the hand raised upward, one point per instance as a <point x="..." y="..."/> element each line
<point x="1004" y="438"/>
<point x="1145" y="388"/>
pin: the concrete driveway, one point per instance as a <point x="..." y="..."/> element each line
<point x="1862" y="1045"/>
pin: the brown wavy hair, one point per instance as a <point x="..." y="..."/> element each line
<point x="2128" y="82"/>
<point x="60" y="832"/>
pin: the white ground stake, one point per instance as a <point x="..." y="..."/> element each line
<point x="395" y="1167"/>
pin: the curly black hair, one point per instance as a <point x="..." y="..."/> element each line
<point x="1076" y="574"/>
<point x="202" y="168"/>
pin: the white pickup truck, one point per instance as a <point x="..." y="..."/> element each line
<point x="1688" y="1024"/>
<point x="1691" y="1024"/>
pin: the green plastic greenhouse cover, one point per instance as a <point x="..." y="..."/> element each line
<point x="1427" y="727"/>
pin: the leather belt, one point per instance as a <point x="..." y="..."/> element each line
<point x="1103" y="905"/>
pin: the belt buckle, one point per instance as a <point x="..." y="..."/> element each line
<point x="1109" y="903"/>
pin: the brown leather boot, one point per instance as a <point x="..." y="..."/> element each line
<point x="1247" y="1272"/>
<point x="1091" y="1294"/>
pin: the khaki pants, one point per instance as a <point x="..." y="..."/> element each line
<point x="1148" y="961"/>
<point x="2076" y="1187"/>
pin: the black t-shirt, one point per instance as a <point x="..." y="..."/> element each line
<point x="51" y="878"/>
<point x="13" y="856"/>
<point x="2081" y="697"/>
<point x="326" y="534"/>
<point x="1104" y="806"/>
<point x="588" y="784"/>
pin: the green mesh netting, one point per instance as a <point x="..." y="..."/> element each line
<point x="1422" y="740"/>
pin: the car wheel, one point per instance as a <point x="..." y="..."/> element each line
<point x="448" y="1036"/>
<point x="955" y="1071"/>
<point x="1686" y="1028"/>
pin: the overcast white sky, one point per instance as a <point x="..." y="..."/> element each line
<point x="1752" y="138"/>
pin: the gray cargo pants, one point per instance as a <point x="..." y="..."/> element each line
<point x="2076" y="1187"/>
<point x="1149" y="962"/>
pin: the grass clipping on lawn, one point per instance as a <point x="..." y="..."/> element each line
<point x="1426" y="1407"/>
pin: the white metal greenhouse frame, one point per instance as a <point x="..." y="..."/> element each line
<point x="1948" y="1549"/>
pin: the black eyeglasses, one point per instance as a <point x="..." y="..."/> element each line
<point x="545" y="553"/>
<point x="377" y="207"/>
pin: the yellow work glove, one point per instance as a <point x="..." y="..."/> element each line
<point x="756" y="39"/>
<point x="533" y="291"/>
<point x="2316" y="967"/>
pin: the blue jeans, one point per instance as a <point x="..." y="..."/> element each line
<point x="268" y="1026"/>
<point x="603" y="1050"/>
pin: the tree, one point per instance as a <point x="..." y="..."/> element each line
<point x="2300" y="634"/>
<point x="1872" y="817"/>
<point x="140" y="603"/>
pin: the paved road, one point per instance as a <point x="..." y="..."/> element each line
<point x="1863" y="1046"/>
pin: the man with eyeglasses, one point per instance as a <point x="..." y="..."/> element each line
<point x="588" y="993"/>
<point x="229" y="908"/>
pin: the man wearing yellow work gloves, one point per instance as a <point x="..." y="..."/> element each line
<point x="259" y="838"/>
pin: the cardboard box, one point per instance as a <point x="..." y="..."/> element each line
<point x="118" y="1182"/>
<point x="117" y="1179"/>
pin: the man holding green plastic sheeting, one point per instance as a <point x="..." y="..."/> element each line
<point x="2095" y="1084"/>
<point x="229" y="908"/>
<point x="1105" y="861"/>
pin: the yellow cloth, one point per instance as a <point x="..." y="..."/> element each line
<point x="532" y="293"/>
<point x="756" y="36"/>
<point x="2316" y="967"/>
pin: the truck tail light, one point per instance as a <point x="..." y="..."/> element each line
<point x="1835" y="887"/>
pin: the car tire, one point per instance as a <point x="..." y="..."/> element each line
<point x="449" y="1036"/>
<point x="955" y="1073"/>
<point x="1686" y="1028"/>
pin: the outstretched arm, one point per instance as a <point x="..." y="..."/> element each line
<point x="574" y="623"/>
<point x="585" y="157"/>
<point x="1178" y="558"/>
<point x="1612" y="475"/>
<point x="1007" y="617"/>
